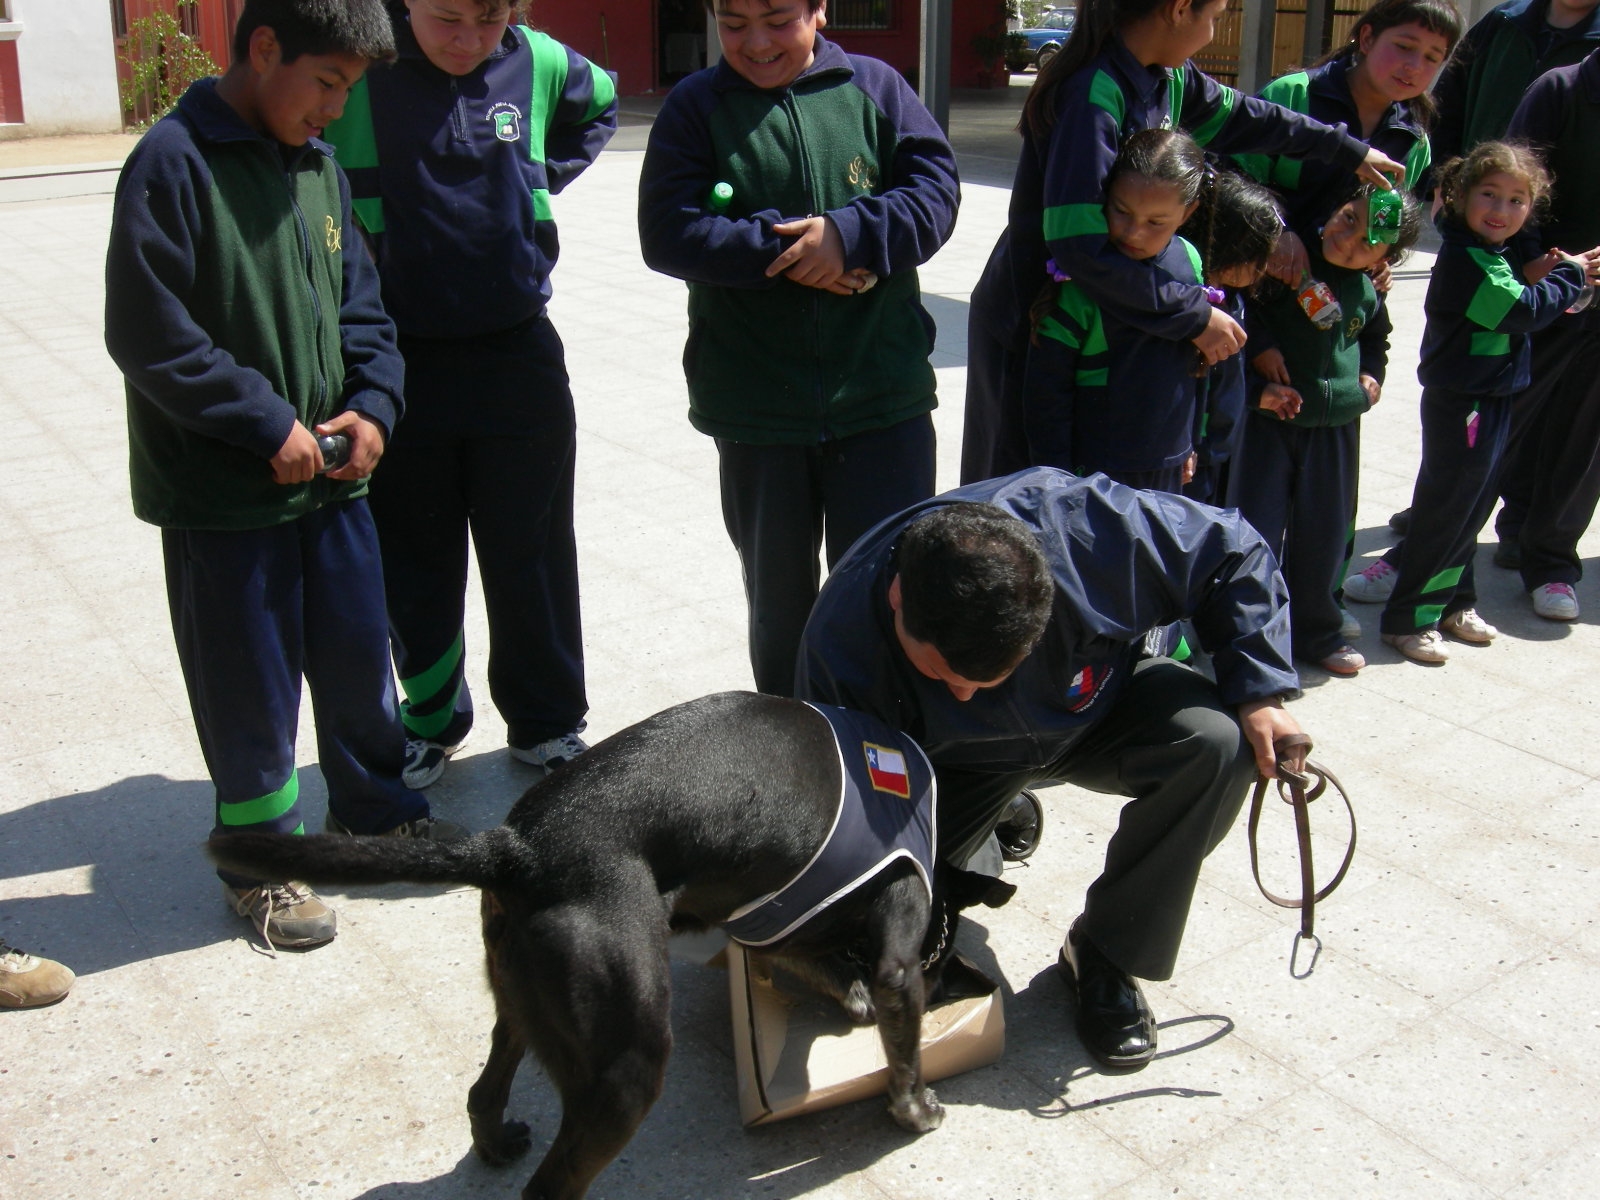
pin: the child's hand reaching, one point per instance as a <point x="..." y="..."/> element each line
<point x="1222" y="337"/>
<point x="1281" y="399"/>
<point x="298" y="460"/>
<point x="1373" y="389"/>
<point x="1536" y="269"/>
<point x="816" y="258"/>
<point x="366" y="443"/>
<point x="1270" y="366"/>
<point x="1288" y="261"/>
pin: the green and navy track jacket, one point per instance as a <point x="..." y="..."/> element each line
<point x="1310" y="190"/>
<point x="452" y="176"/>
<point x="1325" y="365"/>
<point x="1058" y="197"/>
<point x="1479" y="89"/>
<point x="1480" y="313"/>
<point x="238" y="301"/>
<point x="1100" y="394"/>
<point x="769" y="360"/>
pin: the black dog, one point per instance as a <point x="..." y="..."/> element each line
<point x="673" y="824"/>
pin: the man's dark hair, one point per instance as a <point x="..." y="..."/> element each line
<point x="974" y="584"/>
<point x="359" y="27"/>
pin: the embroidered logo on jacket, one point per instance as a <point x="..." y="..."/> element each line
<point x="1085" y="686"/>
<point x="334" y="234"/>
<point x="887" y="770"/>
<point x="861" y="174"/>
<point x="507" y="121"/>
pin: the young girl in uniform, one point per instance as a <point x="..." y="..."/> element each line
<point x="1483" y="302"/>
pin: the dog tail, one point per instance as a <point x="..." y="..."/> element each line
<point x="482" y="860"/>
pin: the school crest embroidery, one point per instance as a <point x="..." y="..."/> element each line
<point x="507" y="122"/>
<point x="333" y="234"/>
<point x="861" y="174"/>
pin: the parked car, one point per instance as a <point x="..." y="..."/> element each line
<point x="1036" y="46"/>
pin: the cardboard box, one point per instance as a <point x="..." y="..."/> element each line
<point x="800" y="1054"/>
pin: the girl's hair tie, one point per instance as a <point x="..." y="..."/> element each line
<point x="1216" y="295"/>
<point x="1056" y="272"/>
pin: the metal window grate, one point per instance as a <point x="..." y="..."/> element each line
<point x="860" y="14"/>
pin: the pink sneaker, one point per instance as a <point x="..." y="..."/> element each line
<point x="1373" y="586"/>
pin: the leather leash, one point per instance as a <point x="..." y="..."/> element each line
<point x="1298" y="789"/>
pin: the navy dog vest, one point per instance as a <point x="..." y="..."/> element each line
<point x="884" y="812"/>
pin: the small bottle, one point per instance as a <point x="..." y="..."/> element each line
<point x="1585" y="298"/>
<point x="1318" y="302"/>
<point x="721" y="197"/>
<point x="335" y="449"/>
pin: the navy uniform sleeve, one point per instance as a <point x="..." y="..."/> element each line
<point x="1374" y="341"/>
<point x="1049" y="383"/>
<point x="1542" y="113"/>
<point x="157" y="233"/>
<point x="678" y="233"/>
<point x="373" y="369"/>
<point x="582" y="122"/>
<point x="904" y="225"/>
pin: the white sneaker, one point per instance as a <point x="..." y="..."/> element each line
<point x="1349" y="626"/>
<point x="1468" y="626"/>
<point x="1555" y="602"/>
<point x="1427" y="646"/>
<point x="557" y="752"/>
<point x="1373" y="586"/>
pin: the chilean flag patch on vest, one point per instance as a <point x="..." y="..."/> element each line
<point x="1081" y="692"/>
<point x="887" y="769"/>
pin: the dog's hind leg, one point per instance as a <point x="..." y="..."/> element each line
<point x="496" y="1140"/>
<point x="899" y="922"/>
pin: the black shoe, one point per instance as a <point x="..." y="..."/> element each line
<point x="1114" y="1022"/>
<point x="1400" y="522"/>
<point x="1020" y="829"/>
<point x="1508" y="555"/>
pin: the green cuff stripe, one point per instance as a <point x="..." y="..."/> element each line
<point x="422" y="687"/>
<point x="1445" y="579"/>
<point x="1426" y="615"/>
<point x="1073" y="220"/>
<point x="263" y="808"/>
<point x="1213" y="125"/>
<point x="432" y="725"/>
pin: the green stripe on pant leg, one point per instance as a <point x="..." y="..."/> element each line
<point x="1426" y="615"/>
<point x="423" y="692"/>
<point x="263" y="808"/>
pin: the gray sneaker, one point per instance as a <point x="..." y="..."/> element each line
<point x="425" y="761"/>
<point x="428" y="829"/>
<point x="557" y="752"/>
<point x="287" y="914"/>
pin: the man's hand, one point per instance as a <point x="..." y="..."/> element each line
<point x="1263" y="723"/>
<point x="366" y="443"/>
<point x="816" y="259"/>
<point x="298" y="460"/>
<point x="1222" y="337"/>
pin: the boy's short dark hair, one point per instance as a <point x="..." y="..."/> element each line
<point x="811" y="6"/>
<point x="359" y="27"/>
<point x="975" y="585"/>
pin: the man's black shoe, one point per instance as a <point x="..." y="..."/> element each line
<point x="1114" y="1022"/>
<point x="1509" y="555"/>
<point x="1400" y="522"/>
<point x="1019" y="830"/>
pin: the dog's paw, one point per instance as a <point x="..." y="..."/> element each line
<point x="919" y="1112"/>
<point x="507" y="1144"/>
<point x="857" y="1004"/>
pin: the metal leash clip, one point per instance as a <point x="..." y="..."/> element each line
<point x="1298" y="789"/>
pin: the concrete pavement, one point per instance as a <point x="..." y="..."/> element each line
<point x="1446" y="1045"/>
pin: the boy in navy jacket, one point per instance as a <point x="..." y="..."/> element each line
<point x="453" y="154"/>
<point x="246" y="324"/>
<point x="808" y="344"/>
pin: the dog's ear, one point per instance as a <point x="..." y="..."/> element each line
<point x="965" y="889"/>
